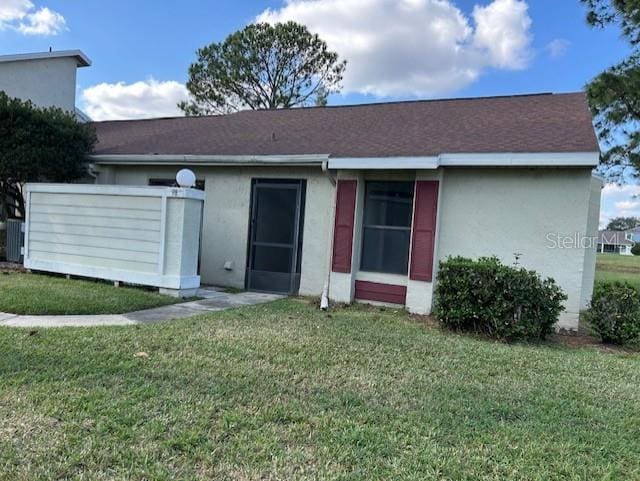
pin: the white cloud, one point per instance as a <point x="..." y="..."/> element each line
<point x="619" y="201"/>
<point x="42" y="22"/>
<point x="502" y="27"/>
<point x="23" y="16"/>
<point x="11" y="10"/>
<point x="558" y="47"/>
<point x="415" y="47"/>
<point x="144" y="99"/>
<point x="626" y="205"/>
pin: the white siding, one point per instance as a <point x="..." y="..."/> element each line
<point x="139" y="235"/>
<point x="76" y="228"/>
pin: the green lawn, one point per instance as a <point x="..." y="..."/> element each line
<point x="285" y="392"/>
<point x="614" y="267"/>
<point x="41" y="294"/>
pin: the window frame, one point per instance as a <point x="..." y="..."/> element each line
<point x="382" y="227"/>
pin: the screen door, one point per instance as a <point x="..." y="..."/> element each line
<point x="275" y="239"/>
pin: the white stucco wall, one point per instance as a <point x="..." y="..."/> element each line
<point x="593" y="219"/>
<point x="485" y="212"/>
<point x="46" y="82"/>
<point x="226" y="218"/>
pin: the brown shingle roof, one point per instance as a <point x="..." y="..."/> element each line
<point x="525" y="123"/>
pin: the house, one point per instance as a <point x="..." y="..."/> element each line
<point x="363" y="201"/>
<point x="615" y="242"/>
<point x="635" y="234"/>
<point x="48" y="79"/>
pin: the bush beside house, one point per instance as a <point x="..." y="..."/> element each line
<point x="614" y="313"/>
<point x="488" y="297"/>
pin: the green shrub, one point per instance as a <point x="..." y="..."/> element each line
<point x="635" y="250"/>
<point x="488" y="297"/>
<point x="614" y="313"/>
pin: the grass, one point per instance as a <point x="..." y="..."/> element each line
<point x="285" y="392"/>
<point x="36" y="294"/>
<point x="614" y="267"/>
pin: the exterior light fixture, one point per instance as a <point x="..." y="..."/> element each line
<point x="186" y="178"/>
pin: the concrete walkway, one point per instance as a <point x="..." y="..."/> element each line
<point x="214" y="299"/>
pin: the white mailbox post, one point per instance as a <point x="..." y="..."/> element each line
<point x="138" y="235"/>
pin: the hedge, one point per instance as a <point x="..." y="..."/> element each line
<point x="504" y="302"/>
<point x="614" y="313"/>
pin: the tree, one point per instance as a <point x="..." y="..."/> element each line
<point x="38" y="145"/>
<point x="623" y="223"/>
<point x="263" y="66"/>
<point x="614" y="95"/>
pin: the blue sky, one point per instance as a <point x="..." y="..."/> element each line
<point x="396" y="49"/>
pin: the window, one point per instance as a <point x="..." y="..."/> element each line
<point x="172" y="183"/>
<point x="386" y="230"/>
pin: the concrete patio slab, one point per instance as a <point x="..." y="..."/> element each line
<point x="214" y="299"/>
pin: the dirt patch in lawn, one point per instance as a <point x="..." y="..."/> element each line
<point x="582" y="340"/>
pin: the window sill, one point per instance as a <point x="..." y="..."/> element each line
<point x="382" y="278"/>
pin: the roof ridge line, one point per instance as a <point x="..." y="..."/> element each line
<point x="368" y="104"/>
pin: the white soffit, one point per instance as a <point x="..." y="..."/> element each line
<point x="391" y="163"/>
<point x="561" y="159"/>
<point x="578" y="159"/>
<point x="551" y="159"/>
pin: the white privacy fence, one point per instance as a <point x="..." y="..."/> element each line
<point x="140" y="235"/>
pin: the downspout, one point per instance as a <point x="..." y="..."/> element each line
<point x="324" y="299"/>
<point x="92" y="173"/>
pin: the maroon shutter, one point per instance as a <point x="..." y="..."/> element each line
<point x="343" y="231"/>
<point x="374" y="291"/>
<point x="424" y="230"/>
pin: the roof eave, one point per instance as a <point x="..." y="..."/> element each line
<point x="81" y="59"/>
<point x="208" y="160"/>
<point x="498" y="159"/>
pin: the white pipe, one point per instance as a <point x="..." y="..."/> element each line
<point x="324" y="299"/>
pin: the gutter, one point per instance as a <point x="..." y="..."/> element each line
<point x="210" y="160"/>
<point x="496" y="159"/>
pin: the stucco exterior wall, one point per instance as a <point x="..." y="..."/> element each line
<point x="593" y="220"/>
<point x="46" y="82"/>
<point x="540" y="214"/>
<point x="226" y="218"/>
<point x="501" y="212"/>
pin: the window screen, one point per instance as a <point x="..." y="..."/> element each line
<point x="386" y="230"/>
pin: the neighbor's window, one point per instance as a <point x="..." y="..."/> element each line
<point x="386" y="229"/>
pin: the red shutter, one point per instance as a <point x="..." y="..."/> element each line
<point x="343" y="231"/>
<point x="424" y="230"/>
<point x="374" y="291"/>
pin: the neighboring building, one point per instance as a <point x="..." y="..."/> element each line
<point x="615" y="242"/>
<point x="635" y="234"/>
<point x="48" y="79"/>
<point x="364" y="201"/>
